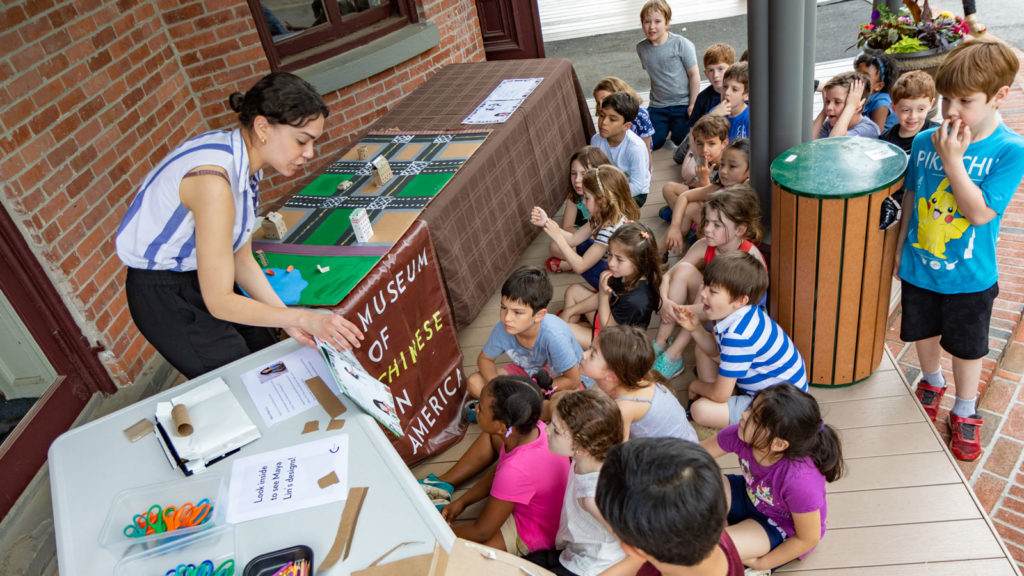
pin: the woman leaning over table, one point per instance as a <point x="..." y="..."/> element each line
<point x="186" y="237"/>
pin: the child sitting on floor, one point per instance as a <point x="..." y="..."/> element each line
<point x="754" y="353"/>
<point x="717" y="59"/>
<point x="532" y="339"/>
<point x="620" y="363"/>
<point x="641" y="126"/>
<point x="628" y="292"/>
<point x="840" y="116"/>
<point x="606" y="196"/>
<point x="733" y="169"/>
<point x="710" y="135"/>
<point x="883" y="71"/>
<point x="574" y="213"/>
<point x="730" y="221"/>
<point x="586" y="424"/>
<point x="524" y="491"/>
<point x="787" y="453"/>
<point x="624" y="148"/>
<point x="664" y="499"/>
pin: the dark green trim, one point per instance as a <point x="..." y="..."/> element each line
<point x="361" y="63"/>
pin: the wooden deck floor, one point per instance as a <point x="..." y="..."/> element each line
<point x="904" y="508"/>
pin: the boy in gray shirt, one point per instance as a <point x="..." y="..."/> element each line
<point x="671" y="63"/>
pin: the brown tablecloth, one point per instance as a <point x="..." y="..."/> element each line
<point x="480" y="221"/>
<point x="411" y="344"/>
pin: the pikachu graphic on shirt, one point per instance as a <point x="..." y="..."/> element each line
<point x="937" y="221"/>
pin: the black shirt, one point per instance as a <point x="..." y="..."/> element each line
<point x="893" y="135"/>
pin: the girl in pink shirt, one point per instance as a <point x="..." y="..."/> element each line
<point x="524" y="491"/>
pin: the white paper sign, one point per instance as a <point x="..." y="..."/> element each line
<point x="880" y="153"/>
<point x="287" y="479"/>
<point x="279" y="391"/>
<point x="503" y="101"/>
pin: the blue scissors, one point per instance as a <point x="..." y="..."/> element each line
<point x="226" y="568"/>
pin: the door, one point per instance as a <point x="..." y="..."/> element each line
<point x="510" y="28"/>
<point x="68" y="369"/>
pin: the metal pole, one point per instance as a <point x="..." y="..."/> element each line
<point x="760" y="103"/>
<point x="810" y="33"/>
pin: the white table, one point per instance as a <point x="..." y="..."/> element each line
<point x="90" y="464"/>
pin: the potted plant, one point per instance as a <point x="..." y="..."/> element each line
<point x="914" y="32"/>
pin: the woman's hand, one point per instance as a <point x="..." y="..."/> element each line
<point x="331" y="328"/>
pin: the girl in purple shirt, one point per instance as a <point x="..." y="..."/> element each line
<point x="787" y="454"/>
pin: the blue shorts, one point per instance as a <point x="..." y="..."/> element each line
<point x="742" y="508"/>
<point x="593" y="275"/>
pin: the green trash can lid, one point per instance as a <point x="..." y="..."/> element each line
<point x="838" y="168"/>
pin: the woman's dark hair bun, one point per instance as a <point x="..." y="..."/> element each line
<point x="236" y="100"/>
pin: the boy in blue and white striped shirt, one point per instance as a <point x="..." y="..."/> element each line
<point x="754" y="352"/>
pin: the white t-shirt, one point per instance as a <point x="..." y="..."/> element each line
<point x="632" y="157"/>
<point x="587" y="547"/>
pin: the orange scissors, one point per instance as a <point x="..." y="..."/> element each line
<point x="190" y="515"/>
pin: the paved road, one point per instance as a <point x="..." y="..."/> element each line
<point x="615" y="54"/>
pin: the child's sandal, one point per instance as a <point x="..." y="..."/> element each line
<point x="553" y="264"/>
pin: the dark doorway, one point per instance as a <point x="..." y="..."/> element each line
<point x="510" y="28"/>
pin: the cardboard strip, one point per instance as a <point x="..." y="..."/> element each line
<point x="346" y="528"/>
<point x="329" y="480"/>
<point x="335" y="424"/>
<point x="311" y="426"/>
<point x="393" y="548"/>
<point x="325" y="397"/>
<point x="139" y="430"/>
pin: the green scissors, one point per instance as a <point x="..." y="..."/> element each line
<point x="151" y="522"/>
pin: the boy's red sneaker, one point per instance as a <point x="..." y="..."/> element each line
<point x="929" y="396"/>
<point x="966" y="437"/>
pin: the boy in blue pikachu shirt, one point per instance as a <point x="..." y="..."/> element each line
<point x="960" y="178"/>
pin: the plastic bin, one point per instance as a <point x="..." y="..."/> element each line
<point x="268" y="564"/>
<point x="216" y="545"/>
<point x="176" y="493"/>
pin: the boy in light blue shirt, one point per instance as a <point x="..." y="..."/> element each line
<point x="623" y="147"/>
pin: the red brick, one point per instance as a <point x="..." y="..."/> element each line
<point x="1014" y="424"/>
<point x="989" y="490"/>
<point x="1003" y="456"/>
<point x="998" y="395"/>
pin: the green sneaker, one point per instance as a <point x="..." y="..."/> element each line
<point x="659" y="349"/>
<point x="668" y="366"/>
<point x="439" y="491"/>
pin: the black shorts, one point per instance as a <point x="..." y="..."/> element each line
<point x="168" y="309"/>
<point x="960" y="319"/>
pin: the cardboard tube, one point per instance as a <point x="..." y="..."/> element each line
<point x="182" y="423"/>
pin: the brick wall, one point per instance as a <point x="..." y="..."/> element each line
<point x="95" y="92"/>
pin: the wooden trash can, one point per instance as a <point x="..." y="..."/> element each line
<point x="831" y="267"/>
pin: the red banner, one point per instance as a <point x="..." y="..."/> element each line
<point x="411" y="344"/>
